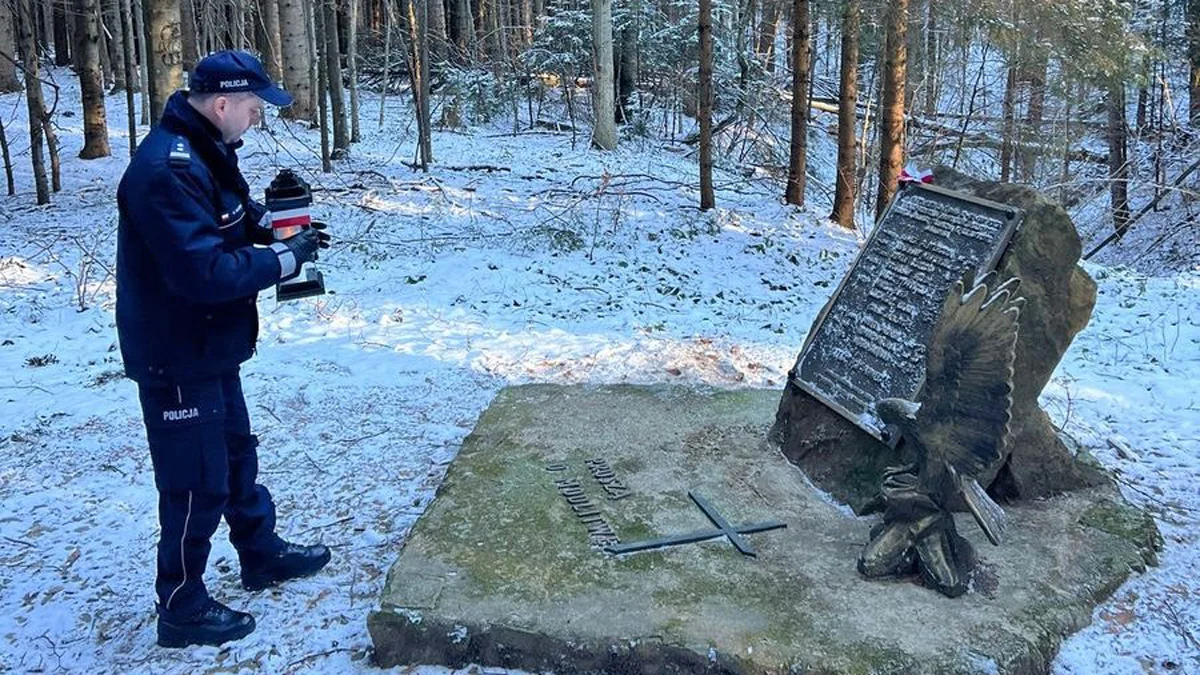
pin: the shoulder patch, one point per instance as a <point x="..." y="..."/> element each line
<point x="181" y="154"/>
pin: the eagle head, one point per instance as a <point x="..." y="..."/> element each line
<point x="897" y="411"/>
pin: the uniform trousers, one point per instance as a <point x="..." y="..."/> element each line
<point x="205" y="467"/>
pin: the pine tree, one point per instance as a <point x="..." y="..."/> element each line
<point x="891" y="122"/>
<point x="33" y="94"/>
<point x="333" y="71"/>
<point x="166" y="58"/>
<point x="1193" y="33"/>
<point x="8" y="49"/>
<point x="604" y="131"/>
<point x="297" y="56"/>
<point x="91" y="82"/>
<point x="707" y="198"/>
<point x="798" y="157"/>
<point x="847" y="161"/>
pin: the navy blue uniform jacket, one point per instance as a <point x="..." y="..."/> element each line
<point x="188" y="275"/>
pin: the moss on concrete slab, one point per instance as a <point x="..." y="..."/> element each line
<point x="499" y="571"/>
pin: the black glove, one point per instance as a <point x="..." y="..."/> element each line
<point x="260" y="232"/>
<point x="305" y="246"/>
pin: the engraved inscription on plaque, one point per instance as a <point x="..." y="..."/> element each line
<point x="870" y="343"/>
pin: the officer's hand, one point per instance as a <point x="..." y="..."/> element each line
<point x="305" y="246"/>
<point x="261" y="233"/>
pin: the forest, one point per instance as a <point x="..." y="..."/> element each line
<point x="1075" y="98"/>
<point x="589" y="193"/>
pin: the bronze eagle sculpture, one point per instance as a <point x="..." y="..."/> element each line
<point x="955" y="433"/>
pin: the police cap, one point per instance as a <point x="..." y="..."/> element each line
<point x="229" y="71"/>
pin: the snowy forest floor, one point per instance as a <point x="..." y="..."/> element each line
<point x="517" y="258"/>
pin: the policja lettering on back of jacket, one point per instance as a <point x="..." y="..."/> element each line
<point x="180" y="415"/>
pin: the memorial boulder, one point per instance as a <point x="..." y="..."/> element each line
<point x="868" y="342"/>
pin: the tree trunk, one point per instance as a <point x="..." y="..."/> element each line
<point x="269" y="11"/>
<point x="766" y="34"/>
<point x="626" y="63"/>
<point x="891" y="119"/>
<point x="1009" y="124"/>
<point x="322" y="62"/>
<point x="189" y="44"/>
<point x="238" y="29"/>
<point x="707" y="199"/>
<point x="1118" y="168"/>
<point x="1143" y="98"/>
<point x="1027" y="153"/>
<point x="52" y="148"/>
<point x="62" y="42"/>
<point x="315" y="36"/>
<point x="138" y="15"/>
<point x="798" y="159"/>
<point x="1193" y="40"/>
<point x="390" y="17"/>
<point x="527" y="22"/>
<point x="419" y="70"/>
<point x="106" y="69"/>
<point x="166" y="56"/>
<point x="604" y="131"/>
<point x="8" y="49"/>
<point x="131" y="77"/>
<point x="33" y="96"/>
<point x="487" y="38"/>
<point x="45" y="37"/>
<point x="91" y="84"/>
<point x="933" y="65"/>
<point x="296" y="49"/>
<point x="914" y="76"/>
<point x="208" y="25"/>
<point x="466" y="28"/>
<point x="744" y="47"/>
<point x="437" y="29"/>
<point x="847" y="162"/>
<point x="114" y="19"/>
<point x="352" y="62"/>
<point x="333" y="72"/>
<point x="8" y="167"/>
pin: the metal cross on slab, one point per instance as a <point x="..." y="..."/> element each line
<point x="725" y="530"/>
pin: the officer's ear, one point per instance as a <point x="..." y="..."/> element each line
<point x="220" y="104"/>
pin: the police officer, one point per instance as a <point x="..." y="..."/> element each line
<point x="188" y="273"/>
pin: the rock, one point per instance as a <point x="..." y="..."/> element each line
<point x="1059" y="298"/>
<point x="499" y="570"/>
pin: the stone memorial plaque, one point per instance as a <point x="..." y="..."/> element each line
<point x="869" y="342"/>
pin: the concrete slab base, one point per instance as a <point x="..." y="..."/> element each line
<point x="505" y="568"/>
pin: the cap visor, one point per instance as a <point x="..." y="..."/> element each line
<point x="275" y="96"/>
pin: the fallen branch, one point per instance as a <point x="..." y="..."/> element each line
<point x="1120" y="232"/>
<point x="316" y="655"/>
<point x="339" y="521"/>
<point x="350" y="441"/>
<point x="981" y="141"/>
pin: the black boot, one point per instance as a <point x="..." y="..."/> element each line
<point x="213" y="624"/>
<point x="292" y="562"/>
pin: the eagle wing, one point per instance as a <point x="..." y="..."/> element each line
<point x="966" y="401"/>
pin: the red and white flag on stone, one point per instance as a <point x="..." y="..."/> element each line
<point x="911" y="174"/>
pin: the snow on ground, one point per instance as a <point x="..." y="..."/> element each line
<point x="557" y="265"/>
